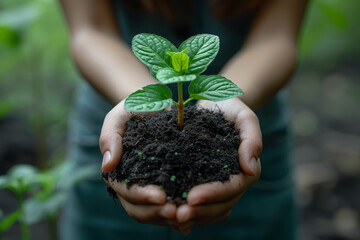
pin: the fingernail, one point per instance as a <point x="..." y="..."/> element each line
<point x="253" y="165"/>
<point x="106" y="158"/>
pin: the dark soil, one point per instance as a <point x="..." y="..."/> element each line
<point x="157" y="152"/>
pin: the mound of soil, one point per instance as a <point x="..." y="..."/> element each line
<point x="156" y="152"/>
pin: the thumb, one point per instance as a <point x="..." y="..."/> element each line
<point x="250" y="144"/>
<point x="110" y="141"/>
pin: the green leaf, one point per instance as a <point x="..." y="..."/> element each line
<point x="151" y="98"/>
<point x="3" y="181"/>
<point x="22" y="171"/>
<point x="72" y="177"/>
<point x="151" y="50"/>
<point x="27" y="174"/>
<point x="338" y="18"/>
<point x="9" y="220"/>
<point x="37" y="210"/>
<point x="214" y="88"/>
<point x="19" y="178"/>
<point x="6" y="106"/>
<point x="9" y="37"/>
<point x="202" y="49"/>
<point x="179" y="61"/>
<point x="169" y="75"/>
<point x="47" y="182"/>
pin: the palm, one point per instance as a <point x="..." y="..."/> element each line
<point x="212" y="202"/>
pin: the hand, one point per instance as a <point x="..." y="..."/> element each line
<point x="212" y="202"/>
<point x="145" y="204"/>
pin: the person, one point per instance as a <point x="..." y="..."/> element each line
<point x="257" y="52"/>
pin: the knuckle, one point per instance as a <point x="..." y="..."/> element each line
<point x="256" y="145"/>
<point x="106" y="138"/>
<point x="250" y="115"/>
<point x="103" y="140"/>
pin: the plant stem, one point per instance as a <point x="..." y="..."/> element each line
<point x="180" y="107"/>
<point x="25" y="232"/>
<point x="187" y="101"/>
<point x="52" y="226"/>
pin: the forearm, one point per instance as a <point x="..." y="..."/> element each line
<point x="262" y="69"/>
<point x="268" y="58"/>
<point x="108" y="64"/>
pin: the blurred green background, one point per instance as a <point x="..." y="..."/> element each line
<point x="38" y="81"/>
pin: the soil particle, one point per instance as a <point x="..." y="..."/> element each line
<point x="156" y="152"/>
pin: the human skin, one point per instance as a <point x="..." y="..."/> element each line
<point x="261" y="68"/>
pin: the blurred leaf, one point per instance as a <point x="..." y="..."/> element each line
<point x="9" y="220"/>
<point x="6" y="106"/>
<point x="37" y="209"/>
<point x="60" y="170"/>
<point x="20" y="17"/>
<point x="3" y="181"/>
<point x="47" y="182"/>
<point x="337" y="17"/>
<point x="73" y="177"/>
<point x="20" y="177"/>
<point x="24" y="172"/>
<point x="9" y="37"/>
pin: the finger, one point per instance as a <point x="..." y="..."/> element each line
<point x="250" y="141"/>
<point x="205" y="212"/>
<point x="149" y="194"/>
<point x="152" y="214"/>
<point x="110" y="140"/>
<point x="185" y="228"/>
<point x="217" y="192"/>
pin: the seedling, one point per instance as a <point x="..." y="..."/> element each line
<point x="169" y="64"/>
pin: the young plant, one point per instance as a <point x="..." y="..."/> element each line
<point x="169" y="64"/>
<point x="46" y="192"/>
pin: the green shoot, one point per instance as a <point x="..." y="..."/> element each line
<point x="169" y="64"/>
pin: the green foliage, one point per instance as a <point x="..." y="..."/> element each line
<point x="329" y="34"/>
<point x="37" y="77"/>
<point x="8" y="221"/>
<point x="48" y="190"/>
<point x="9" y="37"/>
<point x="169" y="75"/>
<point x="202" y="50"/>
<point x="180" y="61"/>
<point x="213" y="88"/>
<point x="153" y="97"/>
<point x="149" y="48"/>
<point x="170" y="65"/>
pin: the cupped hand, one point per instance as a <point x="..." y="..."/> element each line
<point x="145" y="204"/>
<point x="212" y="202"/>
